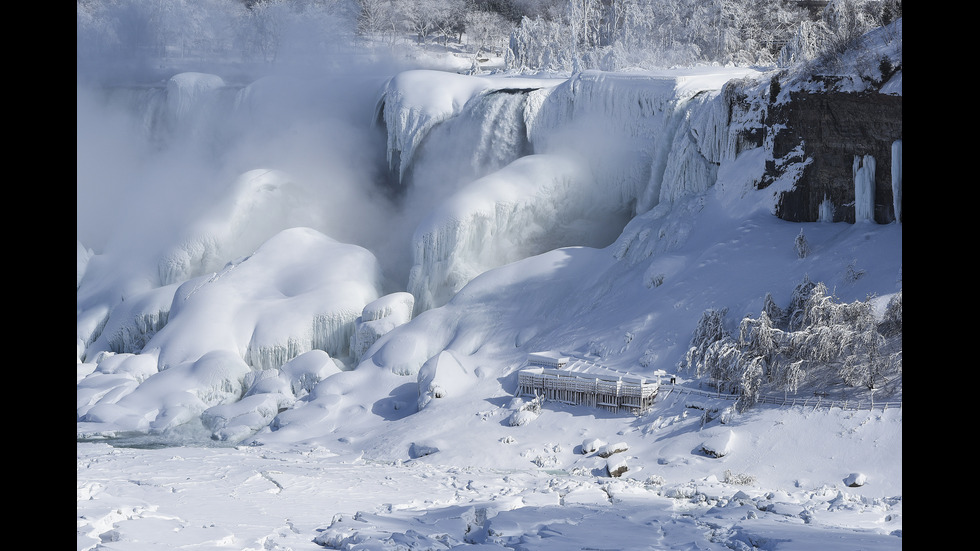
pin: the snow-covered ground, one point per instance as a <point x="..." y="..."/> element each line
<point x="784" y="484"/>
<point x="253" y="375"/>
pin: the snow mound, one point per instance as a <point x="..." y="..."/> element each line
<point x="592" y="444"/>
<point x="300" y="291"/>
<point x="378" y="318"/>
<point x="719" y="445"/>
<point x="442" y="376"/>
<point x="855" y="480"/>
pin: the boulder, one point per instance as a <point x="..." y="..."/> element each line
<point x="609" y="449"/>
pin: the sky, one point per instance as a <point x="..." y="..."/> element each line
<point x="239" y="253"/>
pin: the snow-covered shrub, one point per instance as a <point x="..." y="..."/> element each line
<point x="891" y="322"/>
<point x="655" y="480"/>
<point x="853" y="273"/>
<point x="528" y="411"/>
<point x="740" y="479"/>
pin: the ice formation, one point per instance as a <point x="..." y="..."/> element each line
<point x="267" y="393"/>
<point x="897" y="178"/>
<point x="826" y="211"/>
<point x="165" y="399"/>
<point x="864" y="188"/>
<point x="535" y="204"/>
<point x="380" y="317"/>
<point x="288" y="309"/>
<point x="413" y="102"/>
<point x="300" y="291"/>
<point x="599" y="148"/>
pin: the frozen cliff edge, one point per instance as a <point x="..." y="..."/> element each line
<point x="413" y="102"/>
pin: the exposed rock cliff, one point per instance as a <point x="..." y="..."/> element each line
<point x="831" y="130"/>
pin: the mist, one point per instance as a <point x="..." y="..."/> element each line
<point x="159" y="170"/>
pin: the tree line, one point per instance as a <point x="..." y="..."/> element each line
<point x="532" y="35"/>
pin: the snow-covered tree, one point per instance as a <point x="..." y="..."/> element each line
<point x="261" y="29"/>
<point x="486" y="31"/>
<point x="542" y="44"/>
<point x="797" y="304"/>
<point x="424" y="16"/>
<point x="771" y="309"/>
<point x="823" y="339"/>
<point x="891" y="322"/>
<point x="378" y="19"/>
<point x="759" y="337"/>
<point x="801" y="245"/>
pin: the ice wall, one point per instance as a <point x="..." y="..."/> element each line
<point x="487" y="134"/>
<point x="622" y="125"/>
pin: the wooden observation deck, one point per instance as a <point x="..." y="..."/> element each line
<point x="582" y="382"/>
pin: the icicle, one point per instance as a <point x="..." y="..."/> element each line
<point x="864" y="191"/>
<point x="826" y="213"/>
<point x="897" y="179"/>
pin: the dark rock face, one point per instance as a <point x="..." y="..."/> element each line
<point x="821" y="134"/>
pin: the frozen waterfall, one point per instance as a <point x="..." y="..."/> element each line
<point x="486" y="135"/>
<point x="520" y="172"/>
